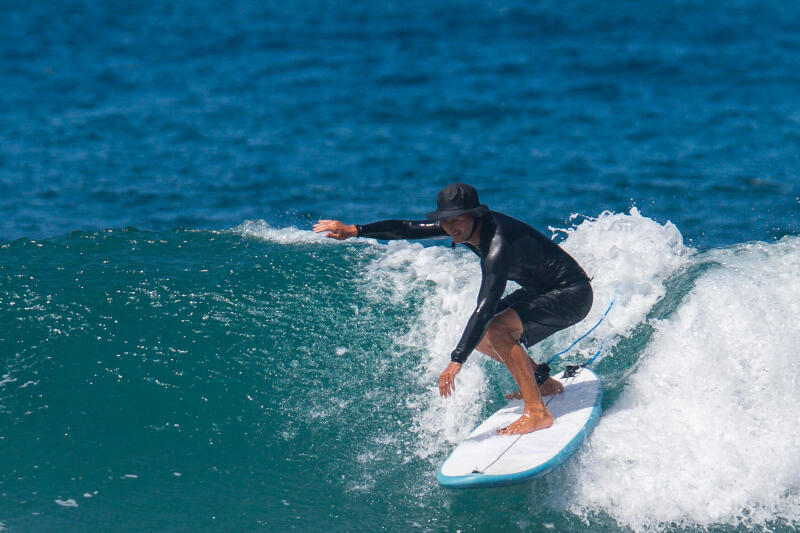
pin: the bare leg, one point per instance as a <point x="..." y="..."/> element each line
<point x="549" y="387"/>
<point x="502" y="340"/>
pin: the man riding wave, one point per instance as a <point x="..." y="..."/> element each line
<point x="555" y="292"/>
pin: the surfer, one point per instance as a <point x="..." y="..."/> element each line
<point x="555" y="292"/>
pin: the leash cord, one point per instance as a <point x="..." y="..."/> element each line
<point x="584" y="336"/>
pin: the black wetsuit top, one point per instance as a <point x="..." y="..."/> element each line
<point x="509" y="250"/>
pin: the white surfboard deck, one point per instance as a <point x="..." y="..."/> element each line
<point x="486" y="459"/>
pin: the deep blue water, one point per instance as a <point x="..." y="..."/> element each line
<point x="202" y="114"/>
<point x="168" y="340"/>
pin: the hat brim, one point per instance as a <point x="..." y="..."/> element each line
<point x="450" y="213"/>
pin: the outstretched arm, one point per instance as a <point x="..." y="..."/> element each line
<point x="384" y="229"/>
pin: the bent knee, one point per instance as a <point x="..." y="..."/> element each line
<point x="504" y="326"/>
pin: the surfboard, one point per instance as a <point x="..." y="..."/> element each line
<point x="486" y="459"/>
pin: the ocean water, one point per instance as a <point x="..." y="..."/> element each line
<point x="179" y="352"/>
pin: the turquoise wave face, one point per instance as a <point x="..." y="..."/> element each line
<point x="270" y="378"/>
<point x="207" y="377"/>
<point x="196" y="365"/>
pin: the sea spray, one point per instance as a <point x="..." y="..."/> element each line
<point x="448" y="282"/>
<point x="628" y="257"/>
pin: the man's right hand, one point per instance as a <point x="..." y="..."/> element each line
<point x="335" y="229"/>
<point x="447" y="381"/>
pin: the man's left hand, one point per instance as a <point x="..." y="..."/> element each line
<point x="447" y="381"/>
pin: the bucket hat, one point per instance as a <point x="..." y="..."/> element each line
<point x="457" y="199"/>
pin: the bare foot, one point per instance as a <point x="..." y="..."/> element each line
<point x="528" y="422"/>
<point x="548" y="388"/>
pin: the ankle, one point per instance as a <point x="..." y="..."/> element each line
<point x="536" y="411"/>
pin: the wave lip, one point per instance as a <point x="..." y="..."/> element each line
<point x="628" y="257"/>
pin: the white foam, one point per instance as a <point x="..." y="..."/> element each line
<point x="291" y="235"/>
<point x="67" y="503"/>
<point x="448" y="282"/>
<point x="628" y="257"/>
<point x="706" y="430"/>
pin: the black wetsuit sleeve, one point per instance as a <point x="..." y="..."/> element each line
<point x="494" y="267"/>
<point x="401" y="229"/>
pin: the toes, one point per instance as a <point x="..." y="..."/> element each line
<point x="508" y="430"/>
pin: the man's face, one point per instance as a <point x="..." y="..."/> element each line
<point x="458" y="227"/>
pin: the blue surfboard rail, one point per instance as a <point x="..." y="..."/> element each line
<point x="480" y="481"/>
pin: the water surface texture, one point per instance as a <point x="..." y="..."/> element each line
<point x="178" y="352"/>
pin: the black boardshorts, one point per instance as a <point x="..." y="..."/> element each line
<point x="545" y="313"/>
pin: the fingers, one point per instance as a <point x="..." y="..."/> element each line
<point x="324" y="225"/>
<point x="447" y="380"/>
<point x="332" y="227"/>
<point x="444" y="388"/>
<point x="447" y="385"/>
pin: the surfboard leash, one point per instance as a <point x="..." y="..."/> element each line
<point x="572" y="370"/>
<point x="543" y="369"/>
